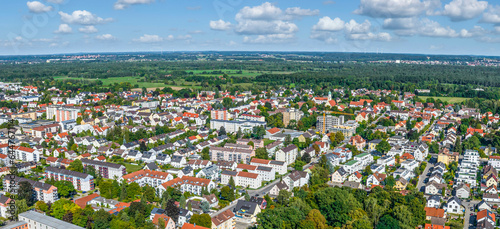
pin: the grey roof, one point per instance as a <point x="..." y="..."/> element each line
<point x="435" y="197"/>
<point x="264" y="168"/>
<point x="47" y="220"/>
<point x="454" y="198"/>
<point x="289" y="148"/>
<point x="34" y="184"/>
<point x="152" y="166"/>
<point x="247" y="206"/>
<point x="101" y="163"/>
<point x="230" y="173"/>
<point x="67" y="172"/>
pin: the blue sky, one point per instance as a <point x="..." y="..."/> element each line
<point x="397" y="26"/>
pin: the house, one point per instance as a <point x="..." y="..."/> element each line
<point x="375" y="179"/>
<point x="247" y="209"/>
<point x="178" y="161"/>
<point x="355" y="177"/>
<point x="434" y="188"/>
<point x="192" y="226"/>
<point x="462" y="191"/>
<point x="147" y="177"/>
<point x="211" y="172"/>
<point x="169" y="222"/>
<point x="212" y="200"/>
<point x="491" y="198"/>
<point x="275" y="190"/>
<point x="358" y="142"/>
<point x="260" y="201"/>
<point x="297" y="179"/>
<point x="454" y="206"/>
<point x="434" y="213"/>
<point x="485" y="219"/>
<point x="483" y="205"/>
<point x="373" y="144"/>
<point x="434" y="201"/>
<point x="339" y="176"/>
<point x="188" y="184"/>
<point x="224" y="220"/>
<point x="387" y="161"/>
<point x="243" y="179"/>
<point x="401" y="184"/>
<point x="279" y="166"/>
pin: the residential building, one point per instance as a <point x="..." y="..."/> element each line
<point x="224" y="220"/>
<point x="230" y="154"/>
<point x="106" y="169"/>
<point x="243" y="179"/>
<point x="287" y="154"/>
<point x="147" y="177"/>
<point x="188" y="184"/>
<point x="43" y="191"/>
<point x="81" y="181"/>
<point x="35" y="219"/>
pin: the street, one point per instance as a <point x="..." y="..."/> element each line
<point x="468" y="219"/>
<point x="261" y="192"/>
<point x="421" y="179"/>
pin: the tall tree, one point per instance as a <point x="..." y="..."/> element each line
<point x="25" y="192"/>
<point x="203" y="220"/>
<point x="172" y="210"/>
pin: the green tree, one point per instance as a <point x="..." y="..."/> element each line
<point x="205" y="206"/>
<point x="203" y="220"/>
<point x="261" y="153"/>
<point x="172" y="210"/>
<point x="182" y="202"/>
<point x="101" y="219"/>
<point x="25" y="192"/>
<point x="283" y="197"/>
<point x="227" y="193"/>
<point x="205" y="153"/>
<point x="76" y="166"/>
<point x="383" y="146"/>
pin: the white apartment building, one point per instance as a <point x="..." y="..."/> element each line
<point x="81" y="181"/>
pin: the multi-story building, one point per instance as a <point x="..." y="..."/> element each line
<point x="230" y="154"/>
<point x="27" y="154"/>
<point x="494" y="161"/>
<point x="224" y="220"/>
<point x="243" y="179"/>
<point x="106" y="169"/>
<point x="329" y="121"/>
<point x="33" y="219"/>
<point x="292" y="114"/>
<point x="220" y="114"/>
<point x="279" y="166"/>
<point x="287" y="154"/>
<point x="81" y="181"/>
<point x="148" y="177"/>
<point x="62" y="113"/>
<point x="188" y="184"/>
<point x="250" y="117"/>
<point x="232" y="126"/>
<point x="42" y="191"/>
<point x="266" y="173"/>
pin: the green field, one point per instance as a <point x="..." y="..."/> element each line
<point x="132" y="168"/>
<point x="445" y="99"/>
<point x="133" y="80"/>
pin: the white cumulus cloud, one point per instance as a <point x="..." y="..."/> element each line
<point x="38" y="7"/>
<point x="396" y="8"/>
<point x="327" y="24"/>
<point x="147" y="38"/>
<point x="123" y="4"/>
<point x="88" y="29"/>
<point x="64" y="28"/>
<point x="460" y="10"/>
<point x="220" y="25"/>
<point x="105" y="37"/>
<point x="492" y="15"/>
<point x="83" y="17"/>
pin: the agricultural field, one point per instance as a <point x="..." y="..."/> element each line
<point x="445" y="99"/>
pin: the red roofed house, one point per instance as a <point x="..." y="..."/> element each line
<point x="188" y="184"/>
<point x="169" y="223"/>
<point x="224" y="220"/>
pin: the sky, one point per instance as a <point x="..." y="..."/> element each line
<point x="461" y="27"/>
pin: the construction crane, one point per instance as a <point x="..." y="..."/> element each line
<point x="331" y="112"/>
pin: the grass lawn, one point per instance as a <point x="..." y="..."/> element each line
<point x="446" y="99"/>
<point x="268" y="141"/>
<point x="132" y="168"/>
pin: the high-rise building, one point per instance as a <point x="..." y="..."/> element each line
<point x="292" y="114"/>
<point x="330" y="122"/>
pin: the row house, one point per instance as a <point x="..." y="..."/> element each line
<point x="81" y="181"/>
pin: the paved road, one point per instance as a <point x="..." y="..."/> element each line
<point x="468" y="219"/>
<point x="261" y="192"/>
<point x="421" y="179"/>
